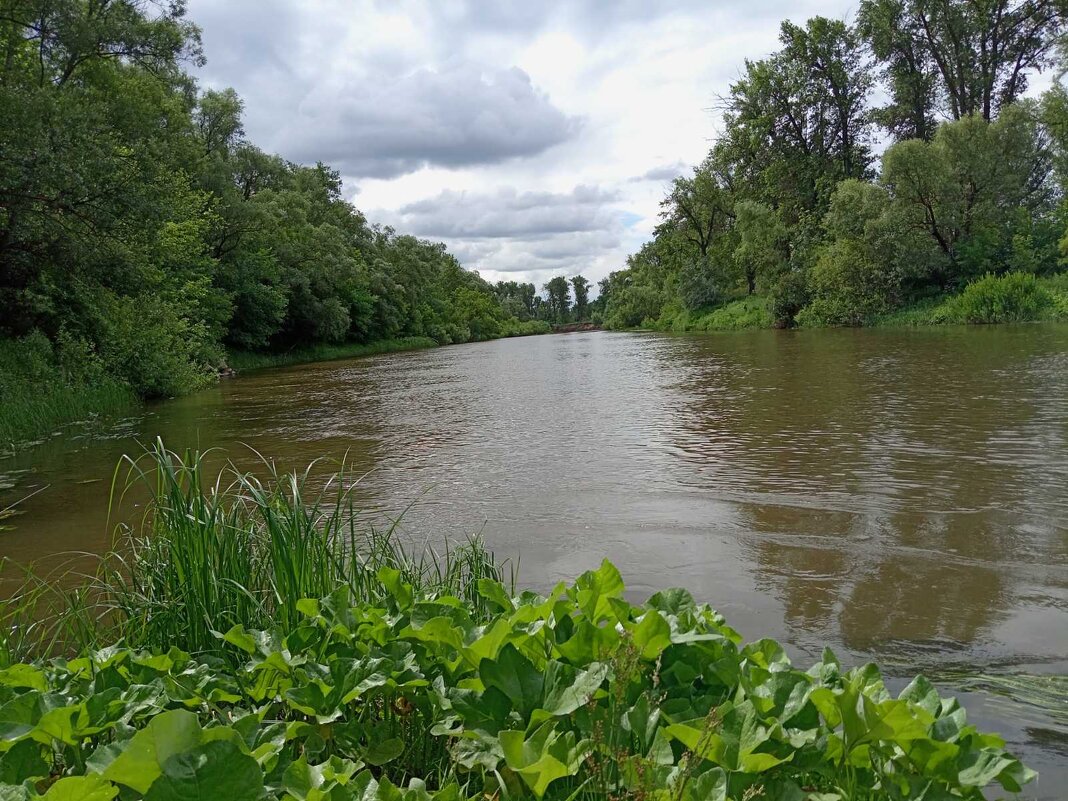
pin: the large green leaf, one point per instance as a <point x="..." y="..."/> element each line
<point x="651" y="635"/>
<point x="170" y="734"/>
<point x="730" y="738"/>
<point x="566" y="689"/>
<point x="515" y="676"/>
<point x="213" y="771"/>
<point x="544" y="757"/>
<point x="21" y="762"/>
<point x="81" y="788"/>
<point x="596" y="589"/>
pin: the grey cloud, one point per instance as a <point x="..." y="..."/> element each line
<point x="519" y="232"/>
<point x="574" y="245"/>
<point x="665" y="172"/>
<point x="510" y="214"/>
<point x="383" y="126"/>
<point x="594" y="19"/>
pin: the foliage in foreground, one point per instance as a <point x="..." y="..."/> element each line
<point x="574" y="694"/>
<point x="262" y="648"/>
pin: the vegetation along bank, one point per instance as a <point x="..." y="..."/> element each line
<point x="793" y="219"/>
<point x="145" y="243"/>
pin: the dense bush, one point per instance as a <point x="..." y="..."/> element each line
<point x="848" y="288"/>
<point x="578" y="694"/>
<point x="632" y="307"/>
<point x="748" y="312"/>
<point x="1012" y="297"/>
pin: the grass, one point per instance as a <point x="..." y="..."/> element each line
<point x="1047" y="302"/>
<point x="44" y="388"/>
<point x="249" y="360"/>
<point x="922" y="312"/>
<point x="744" y="313"/>
<point x="37" y="411"/>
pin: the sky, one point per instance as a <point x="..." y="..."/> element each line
<point x="534" y="138"/>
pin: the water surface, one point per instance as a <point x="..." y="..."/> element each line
<point x="898" y="495"/>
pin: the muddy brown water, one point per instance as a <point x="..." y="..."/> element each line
<point x="898" y="495"/>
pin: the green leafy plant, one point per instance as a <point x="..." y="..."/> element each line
<point x="1013" y="297"/>
<point x="576" y="694"/>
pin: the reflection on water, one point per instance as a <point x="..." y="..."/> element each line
<point x="896" y="494"/>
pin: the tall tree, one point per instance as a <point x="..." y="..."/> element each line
<point x="558" y="291"/>
<point x="966" y="188"/>
<point x="699" y="208"/>
<point x="898" y="44"/>
<point x="93" y="112"/>
<point x="958" y="57"/>
<point x="582" y="297"/>
<point x="796" y="122"/>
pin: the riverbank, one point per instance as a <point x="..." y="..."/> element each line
<point x="326" y="660"/>
<point x="986" y="301"/>
<point x="43" y="390"/>
<point x="39" y="397"/>
<point x="573" y="328"/>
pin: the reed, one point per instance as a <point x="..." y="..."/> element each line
<point x="213" y="550"/>
<point x="30" y="412"/>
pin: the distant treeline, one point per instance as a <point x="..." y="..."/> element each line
<point x="523" y="301"/>
<point x="791" y="219"/>
<point x="142" y="235"/>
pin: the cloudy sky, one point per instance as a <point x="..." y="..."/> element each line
<point x="535" y="137"/>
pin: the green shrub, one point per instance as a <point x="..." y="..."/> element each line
<point x="1057" y="287"/>
<point x="788" y="297"/>
<point x="524" y="328"/>
<point x="1008" y="298"/>
<point x="156" y="350"/>
<point x="747" y="312"/>
<point x="632" y="306"/>
<point x="578" y="695"/>
<point x="847" y="287"/>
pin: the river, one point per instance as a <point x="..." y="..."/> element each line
<point x="899" y="495"/>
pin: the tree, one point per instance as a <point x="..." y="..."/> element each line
<point x="797" y="122"/>
<point x="93" y="115"/>
<point x="897" y="42"/>
<point x="698" y="208"/>
<point x="761" y="251"/>
<point x="559" y="298"/>
<point x="856" y="275"/>
<point x="139" y="226"/>
<point x="958" y="57"/>
<point x="582" y="297"/>
<point x="966" y="189"/>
